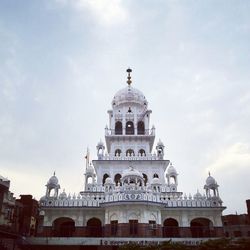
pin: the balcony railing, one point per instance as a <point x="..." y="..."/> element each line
<point x="150" y="132"/>
<point x="123" y="156"/>
<point x="89" y="199"/>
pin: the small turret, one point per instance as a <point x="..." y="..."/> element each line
<point x="52" y="185"/>
<point x="172" y="177"/>
<point x="100" y="150"/>
<point x="211" y="184"/>
<point x="160" y="150"/>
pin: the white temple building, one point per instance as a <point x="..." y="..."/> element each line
<point x="130" y="189"/>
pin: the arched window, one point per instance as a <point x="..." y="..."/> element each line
<point x="140" y="128"/>
<point x="142" y="152"/>
<point x="105" y="176"/>
<point x="118" y="152"/>
<point x="155" y="176"/>
<point x="117" y="179"/>
<point x="170" y="228"/>
<point x="201" y="227"/>
<point x="94" y="227"/>
<point x="130" y="152"/>
<point x="145" y="177"/>
<point x="118" y="128"/>
<point x="130" y="128"/>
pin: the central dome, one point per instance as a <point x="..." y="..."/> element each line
<point x="129" y="95"/>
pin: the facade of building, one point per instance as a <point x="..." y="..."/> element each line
<point x="18" y="217"/>
<point x="28" y="218"/>
<point x="237" y="225"/>
<point x="7" y="205"/>
<point x="130" y="189"/>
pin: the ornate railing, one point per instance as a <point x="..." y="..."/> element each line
<point x="150" y="132"/>
<point x="95" y="200"/>
<point x="123" y="156"/>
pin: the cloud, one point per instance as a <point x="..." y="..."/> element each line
<point x="232" y="159"/>
<point x="106" y="13"/>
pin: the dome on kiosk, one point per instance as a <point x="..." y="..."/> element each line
<point x="131" y="172"/>
<point x="210" y="180"/>
<point x="53" y="180"/>
<point x="108" y="180"/>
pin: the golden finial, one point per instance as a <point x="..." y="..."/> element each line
<point x="129" y="77"/>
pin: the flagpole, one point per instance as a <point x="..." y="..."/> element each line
<point x="87" y="158"/>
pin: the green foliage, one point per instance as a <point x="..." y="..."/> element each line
<point x="130" y="246"/>
<point x="242" y="243"/>
<point x="167" y="245"/>
<point x="173" y="246"/>
<point x="217" y="244"/>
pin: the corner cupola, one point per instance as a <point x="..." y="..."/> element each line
<point x="52" y="187"/>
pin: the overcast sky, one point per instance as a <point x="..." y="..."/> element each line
<point x="62" y="61"/>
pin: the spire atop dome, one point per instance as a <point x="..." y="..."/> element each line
<point x="129" y="77"/>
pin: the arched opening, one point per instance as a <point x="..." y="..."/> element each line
<point x="117" y="179"/>
<point x="201" y="227"/>
<point x="130" y="152"/>
<point x="142" y="152"/>
<point x="52" y="192"/>
<point x="89" y="179"/>
<point x="94" y="227"/>
<point x="145" y="178"/>
<point x="170" y="228"/>
<point x="114" y="227"/>
<point x="133" y="227"/>
<point x="159" y="151"/>
<point x="130" y="128"/>
<point x="63" y="227"/>
<point x="100" y="150"/>
<point x="105" y="176"/>
<point x="140" y="128"/>
<point x="172" y="180"/>
<point x="155" y="175"/>
<point x="118" y="152"/>
<point x="118" y="128"/>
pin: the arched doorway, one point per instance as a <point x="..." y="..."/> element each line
<point x="130" y="152"/>
<point x="105" y="176"/>
<point x="63" y="227"/>
<point x="94" y="228"/>
<point x="171" y="228"/>
<point x="201" y="227"/>
<point x="130" y="128"/>
<point x="145" y="178"/>
<point x="118" y="152"/>
<point x="118" y="128"/>
<point x="117" y="179"/>
<point x="140" y="128"/>
<point x="142" y="152"/>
